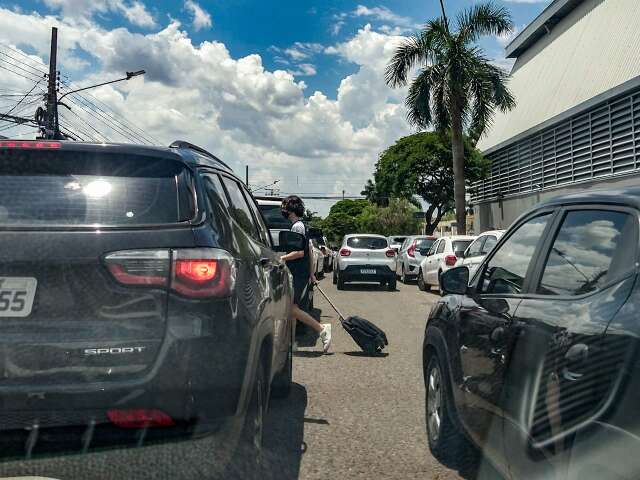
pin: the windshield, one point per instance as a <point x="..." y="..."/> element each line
<point x="236" y="239"/>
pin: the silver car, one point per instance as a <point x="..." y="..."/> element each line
<point x="442" y="256"/>
<point x="411" y="254"/>
<point x="396" y="242"/>
<point x="365" y="258"/>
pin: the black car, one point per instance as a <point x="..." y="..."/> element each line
<point x="535" y="359"/>
<point x="140" y="298"/>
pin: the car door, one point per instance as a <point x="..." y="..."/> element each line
<point x="402" y="254"/>
<point x="473" y="254"/>
<point x="483" y="324"/>
<point x="435" y="261"/>
<point x="562" y="375"/>
<point x="429" y="262"/>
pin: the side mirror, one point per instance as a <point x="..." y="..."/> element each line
<point x="455" y="281"/>
<point x="424" y="251"/>
<point x="290" y="242"/>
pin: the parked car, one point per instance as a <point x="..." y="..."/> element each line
<point x="440" y="257"/>
<point x="124" y="273"/>
<point x="411" y="254"/>
<point x="535" y="359"/>
<point x="395" y="242"/>
<point x="365" y="258"/>
<point x="475" y="253"/>
<point x="318" y="258"/>
<point x="328" y="254"/>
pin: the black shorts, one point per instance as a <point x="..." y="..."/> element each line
<point x="300" y="288"/>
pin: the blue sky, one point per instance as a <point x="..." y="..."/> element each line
<point x="293" y="89"/>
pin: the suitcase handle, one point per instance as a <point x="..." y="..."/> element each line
<point x="340" y="316"/>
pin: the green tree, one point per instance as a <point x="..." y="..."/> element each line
<point x="396" y="219"/>
<point x="457" y="86"/>
<point x="420" y="164"/>
<point x="372" y="194"/>
<point x="336" y="225"/>
<point x="352" y="208"/>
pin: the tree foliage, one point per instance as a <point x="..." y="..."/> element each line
<point x="457" y="86"/>
<point x="420" y="164"/>
<point x="396" y="219"/>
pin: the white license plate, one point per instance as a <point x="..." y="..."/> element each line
<point x="16" y="296"/>
<point x="367" y="271"/>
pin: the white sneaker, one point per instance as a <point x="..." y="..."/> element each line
<point x="325" y="336"/>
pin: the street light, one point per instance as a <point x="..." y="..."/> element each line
<point x="129" y="76"/>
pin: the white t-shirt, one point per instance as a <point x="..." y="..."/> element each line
<point x="299" y="227"/>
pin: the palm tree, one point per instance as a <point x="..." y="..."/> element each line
<point x="457" y="86"/>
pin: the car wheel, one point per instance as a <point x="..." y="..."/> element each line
<point x="444" y="439"/>
<point x="424" y="287"/>
<point x="281" y="385"/>
<point x="335" y="277"/>
<point x="248" y="460"/>
<point x="392" y="285"/>
<point x="340" y="285"/>
<point x="403" y="276"/>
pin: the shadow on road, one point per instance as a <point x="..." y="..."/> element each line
<point x="369" y="355"/>
<point x="284" y="432"/>
<point x="366" y="287"/>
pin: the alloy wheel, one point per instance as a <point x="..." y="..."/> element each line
<point x="434" y="403"/>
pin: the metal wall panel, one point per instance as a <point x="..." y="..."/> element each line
<point x="599" y="143"/>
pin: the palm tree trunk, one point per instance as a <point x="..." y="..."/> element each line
<point x="457" y="149"/>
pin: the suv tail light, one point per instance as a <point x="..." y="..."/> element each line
<point x="450" y="260"/>
<point x="193" y="272"/>
<point x="411" y="251"/>
<point x="345" y="252"/>
<point x="390" y="253"/>
<point x="139" y="418"/>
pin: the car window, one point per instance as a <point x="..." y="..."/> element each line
<point x="240" y="210"/>
<point x="434" y="247"/>
<point x="423" y="243"/>
<point x="505" y="272"/>
<point x="441" y="246"/>
<point x="263" y="231"/>
<point x="489" y="243"/>
<point x="367" y="242"/>
<point x="475" y="248"/>
<point x="461" y="245"/>
<point x="273" y="216"/>
<point x="72" y="188"/>
<point x="592" y="248"/>
<point x="214" y="190"/>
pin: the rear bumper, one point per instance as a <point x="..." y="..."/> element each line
<point x="353" y="273"/>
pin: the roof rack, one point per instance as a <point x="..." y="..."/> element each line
<point x="195" y="148"/>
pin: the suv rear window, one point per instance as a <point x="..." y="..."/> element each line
<point x="40" y="188"/>
<point x="367" y="242"/>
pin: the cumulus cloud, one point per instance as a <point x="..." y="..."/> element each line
<point x="82" y="10"/>
<point x="383" y="14"/>
<point x="235" y="107"/>
<point x="201" y="18"/>
<point x="506" y="38"/>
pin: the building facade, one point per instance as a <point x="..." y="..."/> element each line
<point x="576" y="125"/>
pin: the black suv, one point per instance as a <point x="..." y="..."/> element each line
<point x="534" y="359"/>
<point x="138" y="293"/>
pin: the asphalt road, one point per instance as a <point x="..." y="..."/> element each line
<point x="356" y="417"/>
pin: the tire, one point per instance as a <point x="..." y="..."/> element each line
<point x="281" y="384"/>
<point x="403" y="276"/>
<point x="392" y="285"/>
<point x="335" y="277"/>
<point x="422" y="286"/>
<point x="445" y="441"/>
<point x="248" y="460"/>
<point x="340" y="285"/>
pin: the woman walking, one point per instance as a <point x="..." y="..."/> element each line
<point x="299" y="264"/>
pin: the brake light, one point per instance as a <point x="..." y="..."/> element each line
<point x="450" y="260"/>
<point x="390" y="253"/>
<point x="139" y="418"/>
<point x="29" y="144"/>
<point x="411" y="251"/>
<point x="345" y="252"/>
<point x="196" y="272"/>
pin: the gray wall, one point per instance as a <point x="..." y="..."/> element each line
<point x="492" y="215"/>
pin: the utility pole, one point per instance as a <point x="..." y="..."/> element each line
<point x="342" y="194"/>
<point x="51" y="121"/>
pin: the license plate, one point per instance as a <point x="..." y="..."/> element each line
<point x="367" y="271"/>
<point x="16" y="296"/>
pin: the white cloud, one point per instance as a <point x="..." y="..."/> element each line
<point x="383" y="14"/>
<point x="201" y="18"/>
<point x="304" y="70"/>
<point x="235" y="107"/>
<point x="83" y="10"/>
<point x="338" y="23"/>
<point x="506" y="38"/>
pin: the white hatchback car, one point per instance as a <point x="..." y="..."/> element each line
<point x="475" y="253"/>
<point x="442" y="256"/>
<point x="365" y="258"/>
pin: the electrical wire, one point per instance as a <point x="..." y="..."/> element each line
<point x="25" y="96"/>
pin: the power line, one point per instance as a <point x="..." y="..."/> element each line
<point x="25" y="96"/>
